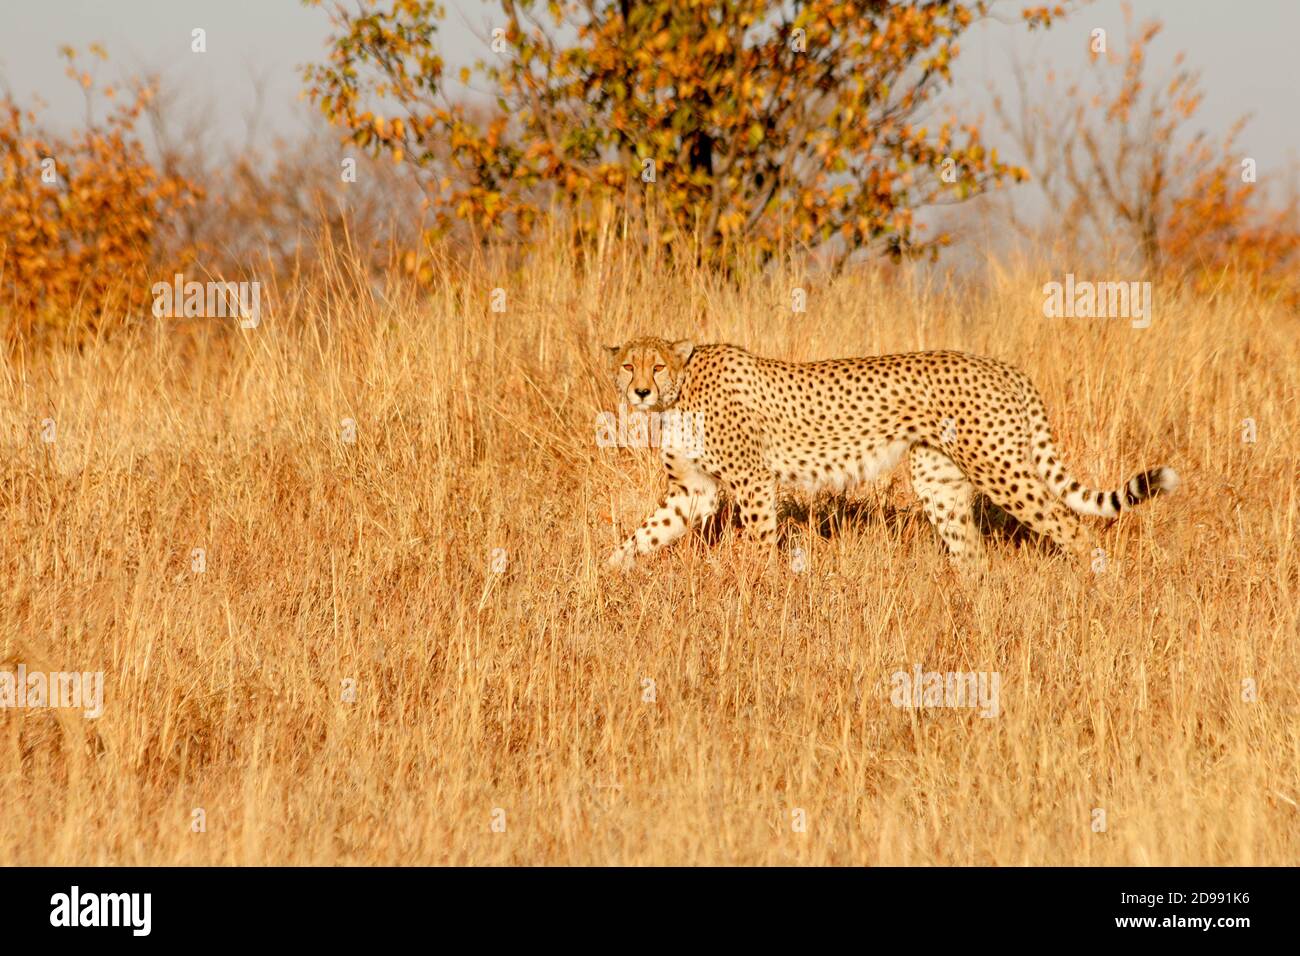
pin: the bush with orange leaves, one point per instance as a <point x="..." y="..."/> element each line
<point x="86" y="221"/>
<point x="1221" y="228"/>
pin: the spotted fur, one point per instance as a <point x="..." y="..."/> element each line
<point x="970" y="424"/>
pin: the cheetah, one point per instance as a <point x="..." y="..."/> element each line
<point x="970" y="424"/>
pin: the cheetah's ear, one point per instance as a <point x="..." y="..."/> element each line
<point x="611" y="352"/>
<point x="683" y="348"/>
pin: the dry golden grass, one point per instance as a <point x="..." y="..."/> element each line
<point x="524" y="690"/>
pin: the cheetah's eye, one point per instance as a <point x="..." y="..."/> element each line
<point x="659" y="368"/>
<point x="629" y="368"/>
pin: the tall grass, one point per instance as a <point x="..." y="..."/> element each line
<point x="449" y="564"/>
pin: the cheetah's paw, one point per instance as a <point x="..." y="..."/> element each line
<point x="620" y="559"/>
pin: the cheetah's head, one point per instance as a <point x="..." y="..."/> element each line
<point x="648" y="372"/>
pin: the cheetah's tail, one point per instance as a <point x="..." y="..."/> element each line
<point x="1105" y="504"/>
<point x="1108" y="504"/>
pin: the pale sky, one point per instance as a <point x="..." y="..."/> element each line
<point x="1245" y="49"/>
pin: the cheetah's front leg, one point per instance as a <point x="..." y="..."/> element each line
<point x="692" y="498"/>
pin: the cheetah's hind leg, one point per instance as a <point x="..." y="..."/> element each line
<point x="948" y="497"/>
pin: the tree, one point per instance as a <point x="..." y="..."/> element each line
<point x="1124" y="171"/>
<point x="744" y="123"/>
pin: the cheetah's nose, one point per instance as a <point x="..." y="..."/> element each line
<point x="641" y="392"/>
